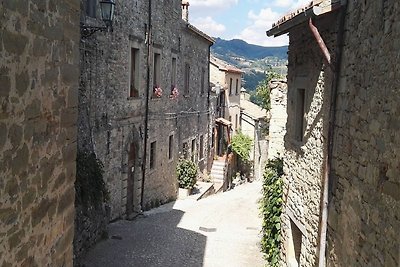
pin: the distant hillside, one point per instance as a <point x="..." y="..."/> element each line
<point x="240" y="48"/>
<point x="254" y="60"/>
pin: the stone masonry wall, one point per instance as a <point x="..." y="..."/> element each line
<point x="364" y="215"/>
<point x="305" y="147"/>
<point x="38" y="111"/>
<point x="277" y="125"/>
<point x="111" y="120"/>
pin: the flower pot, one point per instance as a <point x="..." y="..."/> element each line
<point x="184" y="193"/>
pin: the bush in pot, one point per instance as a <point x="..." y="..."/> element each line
<point x="186" y="171"/>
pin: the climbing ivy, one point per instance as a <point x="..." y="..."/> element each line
<point x="271" y="210"/>
<point x="89" y="185"/>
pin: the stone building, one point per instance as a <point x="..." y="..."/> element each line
<point x="341" y="163"/>
<point x="144" y="99"/>
<point x="229" y="80"/>
<point x="278" y="118"/>
<point x="38" y="109"/>
<point x="253" y="123"/>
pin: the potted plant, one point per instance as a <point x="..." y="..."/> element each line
<point x="174" y="92"/>
<point x="157" y="91"/>
<point x="186" y="171"/>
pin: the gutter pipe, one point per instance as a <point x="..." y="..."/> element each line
<point x="146" y="117"/>
<point x="331" y="131"/>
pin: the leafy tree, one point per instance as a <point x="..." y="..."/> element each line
<point x="261" y="96"/>
<point x="241" y="145"/>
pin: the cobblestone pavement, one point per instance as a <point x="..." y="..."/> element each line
<point x="219" y="231"/>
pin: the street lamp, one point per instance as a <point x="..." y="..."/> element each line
<point x="107" y="15"/>
<point x="107" y="11"/>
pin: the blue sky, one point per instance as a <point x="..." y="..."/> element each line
<point x="242" y="19"/>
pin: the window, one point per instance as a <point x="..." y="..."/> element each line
<point x="193" y="150"/>
<point x="295" y="240"/>
<point x="157" y="69"/>
<point x="170" y="146"/>
<point x="173" y="73"/>
<point x="300" y="98"/>
<point x="187" y="76"/>
<point x="230" y="118"/>
<point x="201" y="152"/>
<point x="230" y="86"/>
<point x="185" y="150"/>
<point x="91" y="8"/>
<point x="203" y="72"/>
<point x="152" y="155"/>
<point x="213" y="137"/>
<point x="134" y="73"/>
<point x="237" y="86"/>
<point x="236" y="122"/>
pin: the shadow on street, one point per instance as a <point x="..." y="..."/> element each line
<point x="149" y="242"/>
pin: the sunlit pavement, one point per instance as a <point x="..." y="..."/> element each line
<point x="221" y="230"/>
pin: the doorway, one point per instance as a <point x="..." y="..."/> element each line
<point x="131" y="178"/>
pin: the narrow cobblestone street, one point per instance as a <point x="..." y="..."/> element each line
<point x="221" y="230"/>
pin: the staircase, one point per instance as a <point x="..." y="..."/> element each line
<point x="218" y="174"/>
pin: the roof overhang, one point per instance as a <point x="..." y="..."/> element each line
<point x="223" y="121"/>
<point x="314" y="9"/>
<point x="200" y="33"/>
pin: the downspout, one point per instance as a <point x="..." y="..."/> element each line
<point x="321" y="43"/>
<point x="331" y="130"/>
<point x="210" y="122"/>
<point x="146" y="116"/>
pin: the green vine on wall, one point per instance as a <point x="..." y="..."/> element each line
<point x="89" y="185"/>
<point x="271" y="210"/>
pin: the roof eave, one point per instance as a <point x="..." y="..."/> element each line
<point x="200" y="33"/>
<point x="311" y="12"/>
<point x="284" y="27"/>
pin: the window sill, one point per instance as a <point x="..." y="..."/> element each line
<point x="132" y="98"/>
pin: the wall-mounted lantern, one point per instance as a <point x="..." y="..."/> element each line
<point x="107" y="15"/>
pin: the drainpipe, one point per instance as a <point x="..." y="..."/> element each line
<point x="320" y="42"/>
<point x="210" y="122"/>
<point x="331" y="130"/>
<point x="146" y="116"/>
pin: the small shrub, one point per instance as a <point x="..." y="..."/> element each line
<point x="271" y="210"/>
<point x="186" y="171"/>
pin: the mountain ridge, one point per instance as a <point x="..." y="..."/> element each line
<point x="254" y="60"/>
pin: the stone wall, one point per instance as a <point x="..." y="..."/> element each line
<point x="112" y="122"/>
<point x="38" y="111"/>
<point x="277" y="125"/>
<point x="305" y="140"/>
<point x="364" y="215"/>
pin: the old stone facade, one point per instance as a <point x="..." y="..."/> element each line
<point x="120" y="108"/>
<point x="364" y="215"/>
<point x="230" y="78"/>
<point x="278" y="119"/>
<point x="358" y="155"/>
<point x="253" y="123"/>
<point x="39" y="74"/>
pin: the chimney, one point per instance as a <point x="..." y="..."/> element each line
<point x="185" y="10"/>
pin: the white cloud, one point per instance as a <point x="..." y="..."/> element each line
<point x="213" y="3"/>
<point x="292" y="4"/>
<point x="208" y="25"/>
<point x="255" y="33"/>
